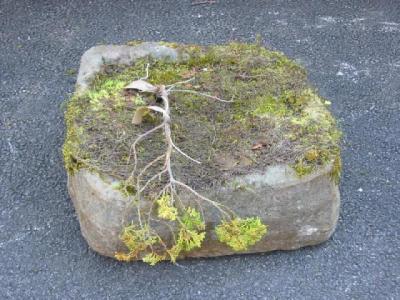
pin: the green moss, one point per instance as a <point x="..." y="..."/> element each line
<point x="240" y="234"/>
<point x="144" y="243"/>
<point x="269" y="105"/>
<point x="337" y="169"/>
<point x="168" y="73"/>
<point x="302" y="168"/>
<point x="73" y="156"/>
<point x="125" y="188"/>
<point x="169" y="44"/>
<point x="165" y="208"/>
<point x="134" y="42"/>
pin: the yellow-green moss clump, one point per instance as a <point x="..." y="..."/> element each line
<point x="240" y="234"/>
<point x="275" y="117"/>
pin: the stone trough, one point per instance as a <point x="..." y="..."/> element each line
<point x="300" y="209"/>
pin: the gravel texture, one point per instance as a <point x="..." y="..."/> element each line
<point x="352" y="52"/>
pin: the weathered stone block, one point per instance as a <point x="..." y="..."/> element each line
<point x="299" y="212"/>
<point x="299" y="203"/>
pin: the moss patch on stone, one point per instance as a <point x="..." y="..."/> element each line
<point x="273" y="107"/>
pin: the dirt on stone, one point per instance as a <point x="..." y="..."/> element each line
<point x="275" y="116"/>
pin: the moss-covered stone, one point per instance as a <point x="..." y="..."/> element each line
<point x="273" y="106"/>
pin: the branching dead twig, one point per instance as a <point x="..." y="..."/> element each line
<point x="172" y="184"/>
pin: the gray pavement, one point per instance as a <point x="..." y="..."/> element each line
<point x="352" y="52"/>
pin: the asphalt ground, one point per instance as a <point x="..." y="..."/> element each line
<point x="352" y="52"/>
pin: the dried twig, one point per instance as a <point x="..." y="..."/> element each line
<point x="171" y="186"/>
<point x="147" y="73"/>
<point x="171" y="86"/>
<point x="203" y="94"/>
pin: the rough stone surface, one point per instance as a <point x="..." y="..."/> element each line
<point x="95" y="57"/>
<point x="299" y="212"/>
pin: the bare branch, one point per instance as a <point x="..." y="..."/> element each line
<point x="171" y="86"/>
<point x="203" y="94"/>
<point x="184" y="154"/>
<point x="150" y="164"/>
<point x="150" y="180"/>
<point x="215" y="204"/>
<point x="139" y="138"/>
<point x="142" y="136"/>
<point x="170" y="146"/>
